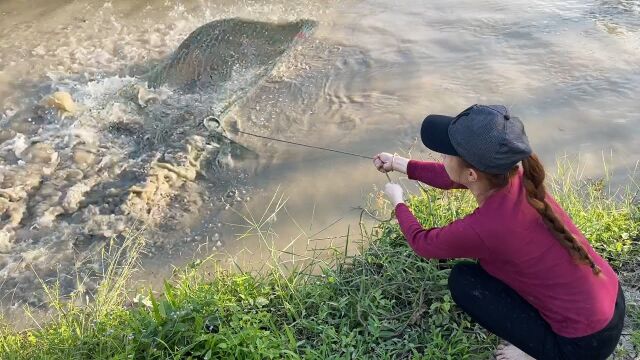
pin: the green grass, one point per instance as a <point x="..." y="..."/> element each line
<point x="383" y="302"/>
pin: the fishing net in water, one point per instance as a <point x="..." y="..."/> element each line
<point x="228" y="58"/>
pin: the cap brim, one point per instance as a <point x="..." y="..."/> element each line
<point x="435" y="134"/>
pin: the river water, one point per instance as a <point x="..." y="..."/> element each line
<point x="362" y="82"/>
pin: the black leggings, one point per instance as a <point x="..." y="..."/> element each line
<point x="499" y="309"/>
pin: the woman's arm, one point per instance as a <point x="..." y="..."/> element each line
<point x="432" y="174"/>
<point x="428" y="172"/>
<point x="400" y="164"/>
<point x="456" y="240"/>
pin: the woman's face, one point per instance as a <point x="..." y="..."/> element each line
<point x="458" y="171"/>
<point x="452" y="167"/>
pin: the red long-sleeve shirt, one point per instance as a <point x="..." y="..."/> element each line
<point x="512" y="243"/>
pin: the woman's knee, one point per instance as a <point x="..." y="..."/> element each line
<point x="461" y="277"/>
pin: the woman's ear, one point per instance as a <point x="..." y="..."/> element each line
<point x="472" y="175"/>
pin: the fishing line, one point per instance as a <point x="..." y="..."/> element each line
<point x="305" y="145"/>
<point x="212" y="123"/>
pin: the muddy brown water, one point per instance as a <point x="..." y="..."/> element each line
<point x="362" y="83"/>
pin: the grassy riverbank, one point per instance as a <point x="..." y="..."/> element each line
<point x="384" y="302"/>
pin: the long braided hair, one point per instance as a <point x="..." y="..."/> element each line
<point x="533" y="181"/>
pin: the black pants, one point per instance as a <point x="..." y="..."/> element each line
<point x="502" y="311"/>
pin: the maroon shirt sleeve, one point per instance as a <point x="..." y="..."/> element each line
<point x="432" y="174"/>
<point x="456" y="240"/>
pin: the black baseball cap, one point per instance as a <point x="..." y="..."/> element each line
<point x="486" y="136"/>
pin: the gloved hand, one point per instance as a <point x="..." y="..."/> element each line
<point x="395" y="193"/>
<point x="382" y="162"/>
